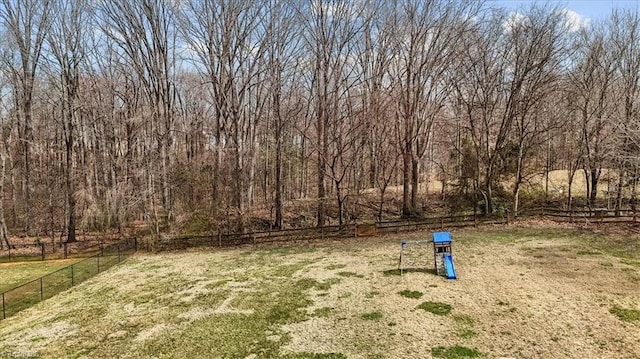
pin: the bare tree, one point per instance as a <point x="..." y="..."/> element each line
<point x="329" y="28"/>
<point x="172" y="111"/>
<point x="510" y="66"/>
<point x="67" y="43"/>
<point x="228" y="42"/>
<point x="26" y="24"/>
<point x="111" y="142"/>
<point x="591" y="81"/>
<point x="482" y="71"/>
<point x="625" y="28"/>
<point x="344" y="146"/>
<point x="571" y="142"/>
<point x="384" y="153"/>
<point x="282" y="54"/>
<point x="539" y="51"/>
<point x="144" y="31"/>
<point x="203" y="27"/>
<point x="631" y="155"/>
<point x="375" y="58"/>
<point x="427" y="36"/>
<point x="5" y="152"/>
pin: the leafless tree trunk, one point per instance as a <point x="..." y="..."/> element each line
<point x="27" y="23"/>
<point x="540" y="47"/>
<point x="591" y="81"/>
<point x="283" y="49"/>
<point x="377" y="88"/>
<point x="229" y="45"/>
<point x="573" y="146"/>
<point x="66" y="43"/>
<point x="4" y="233"/>
<point x="427" y="35"/>
<point x="482" y="89"/>
<point x="5" y="153"/>
<point x="329" y="29"/>
<point x="509" y="67"/>
<point x="144" y="30"/>
<point x="626" y="43"/>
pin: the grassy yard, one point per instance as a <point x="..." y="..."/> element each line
<point x="14" y="274"/>
<point x="34" y="283"/>
<point x="527" y="291"/>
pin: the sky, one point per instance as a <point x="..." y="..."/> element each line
<point x="590" y="10"/>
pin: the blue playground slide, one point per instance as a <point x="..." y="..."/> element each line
<point x="448" y="265"/>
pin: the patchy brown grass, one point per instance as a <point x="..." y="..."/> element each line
<point x="523" y="291"/>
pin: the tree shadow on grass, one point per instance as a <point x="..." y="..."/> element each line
<point x="396" y="272"/>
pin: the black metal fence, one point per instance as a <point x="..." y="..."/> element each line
<point x="26" y="295"/>
<point x="21" y="252"/>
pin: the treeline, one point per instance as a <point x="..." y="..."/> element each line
<point x="217" y="112"/>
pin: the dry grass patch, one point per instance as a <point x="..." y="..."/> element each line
<point x="522" y="292"/>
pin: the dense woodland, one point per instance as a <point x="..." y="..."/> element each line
<point x="228" y="115"/>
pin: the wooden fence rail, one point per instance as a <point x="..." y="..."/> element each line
<point x="327" y="232"/>
<point x="39" y="251"/>
<point x="594" y="216"/>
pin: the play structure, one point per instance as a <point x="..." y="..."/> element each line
<point x="415" y="255"/>
<point x="442" y="255"/>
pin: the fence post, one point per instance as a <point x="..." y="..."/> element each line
<point x="4" y="314"/>
<point x="98" y="258"/>
<point x="41" y="291"/>
<point x="101" y="251"/>
<point x="71" y="274"/>
<point x="65" y="250"/>
<point x="135" y="244"/>
<point x="219" y="239"/>
<point x="42" y="250"/>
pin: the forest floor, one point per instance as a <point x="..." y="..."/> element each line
<point x="532" y="290"/>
